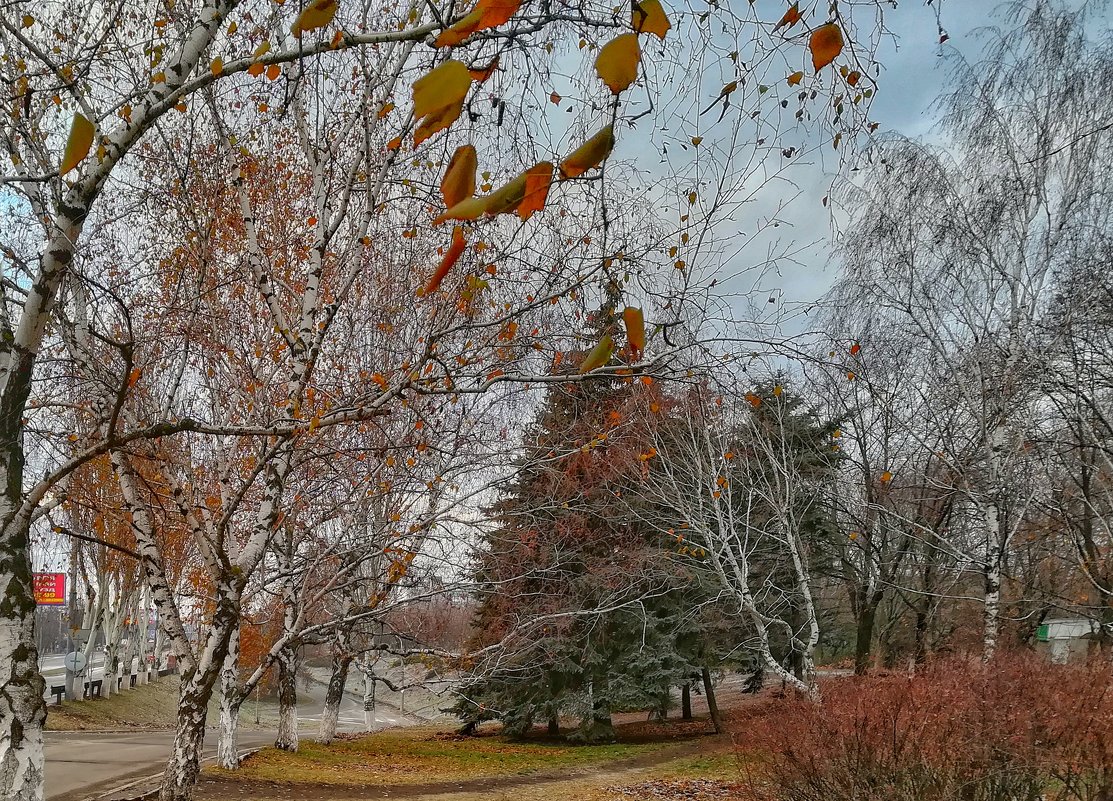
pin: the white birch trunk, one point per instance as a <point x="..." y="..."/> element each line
<point x="334" y="696"/>
<point x="22" y="707"/>
<point x="231" y="699"/>
<point x="287" y="739"/>
<point x="368" y="696"/>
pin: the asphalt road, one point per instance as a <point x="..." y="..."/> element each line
<point x="80" y="765"/>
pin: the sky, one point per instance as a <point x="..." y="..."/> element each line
<point x="912" y="76"/>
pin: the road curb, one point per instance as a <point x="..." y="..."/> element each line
<point x="115" y="794"/>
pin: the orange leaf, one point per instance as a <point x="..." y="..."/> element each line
<point x="791" y="17"/>
<point x="455" y="250"/>
<point x="588" y="155"/>
<point x="825" y="44"/>
<point x="753" y="399"/>
<point x="599" y="355"/>
<point x="255" y="70"/>
<point x="317" y="14"/>
<point x="617" y="63"/>
<point x="795" y="78"/>
<point x="481" y="74"/>
<point x="217" y="66"/>
<point x="538" y="180"/>
<point x="273" y="71"/>
<point x="854" y="349"/>
<point x="465" y="27"/>
<point x="647" y="16"/>
<point x="635" y="330"/>
<point x="133" y="376"/>
<point x="78" y="144"/>
<point x="496" y="12"/>
<point x="459" y="178"/>
<point x="886" y="477"/>
<point x="486" y="14"/>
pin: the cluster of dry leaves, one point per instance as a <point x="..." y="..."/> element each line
<point x="676" y="790"/>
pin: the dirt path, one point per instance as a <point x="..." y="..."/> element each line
<point x="585" y="782"/>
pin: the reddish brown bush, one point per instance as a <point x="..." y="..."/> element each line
<point x="1018" y="729"/>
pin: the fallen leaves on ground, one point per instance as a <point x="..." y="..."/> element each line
<point x="677" y="790"/>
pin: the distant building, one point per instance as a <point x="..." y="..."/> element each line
<point x="1067" y="640"/>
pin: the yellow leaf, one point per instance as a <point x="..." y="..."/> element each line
<point x="600" y="355"/>
<point x="459" y="178"/>
<point x="617" y="63"/>
<point x="635" y="330"/>
<point x="468" y="209"/>
<point x="441" y="87"/>
<point x="507" y="197"/>
<point x="588" y="155"/>
<point x="217" y="66"/>
<point x="696" y="141"/>
<point x="886" y="477"/>
<point x="647" y="16"/>
<point x="78" y="144"/>
<point x="28" y="20"/>
<point x="317" y="14"/>
<point x="795" y="78"/>
<point x="825" y="44"/>
<point x="439" y="120"/>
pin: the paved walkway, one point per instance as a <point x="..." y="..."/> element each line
<point x="82" y="765"/>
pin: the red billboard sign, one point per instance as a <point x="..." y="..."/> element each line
<point x="50" y="589"/>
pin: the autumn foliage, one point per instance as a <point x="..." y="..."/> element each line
<point x="1017" y="728"/>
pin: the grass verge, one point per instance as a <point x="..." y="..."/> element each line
<point x="152" y="706"/>
<point x="422" y="755"/>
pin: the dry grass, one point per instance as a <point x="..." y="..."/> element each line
<point x="424" y="755"/>
<point x="151" y="706"/>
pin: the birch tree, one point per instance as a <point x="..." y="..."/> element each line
<point x="962" y="246"/>
<point x="138" y="90"/>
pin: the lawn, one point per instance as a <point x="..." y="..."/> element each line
<point x="431" y="763"/>
<point x="422" y="755"/>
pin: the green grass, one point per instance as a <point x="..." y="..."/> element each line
<point x="417" y="756"/>
<point x="715" y="765"/>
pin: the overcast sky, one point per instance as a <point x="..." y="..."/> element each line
<point x="913" y="75"/>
